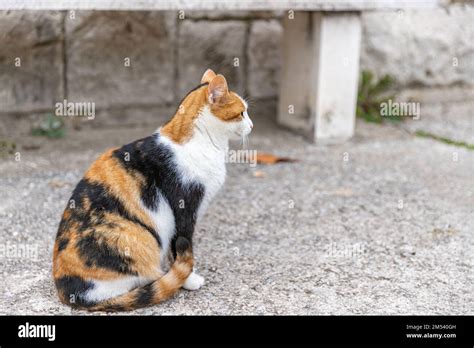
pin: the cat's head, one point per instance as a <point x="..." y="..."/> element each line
<point x="227" y="107"/>
<point x="211" y="109"/>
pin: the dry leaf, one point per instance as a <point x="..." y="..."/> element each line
<point x="259" y="174"/>
<point x="31" y="147"/>
<point x="268" y="158"/>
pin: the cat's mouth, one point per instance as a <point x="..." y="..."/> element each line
<point x="244" y="131"/>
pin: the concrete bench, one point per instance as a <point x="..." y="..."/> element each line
<point x="321" y="47"/>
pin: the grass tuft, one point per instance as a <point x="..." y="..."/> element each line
<point x="445" y="140"/>
<point x="51" y="127"/>
<point x="371" y="94"/>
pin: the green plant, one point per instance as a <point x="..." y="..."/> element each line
<point x="371" y="95"/>
<point x="6" y="148"/>
<point x="51" y="127"/>
<point x="445" y="140"/>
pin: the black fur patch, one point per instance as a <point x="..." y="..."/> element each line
<point x="98" y="253"/>
<point x="145" y="295"/>
<point x="62" y="244"/>
<point x="76" y="286"/>
<point x="182" y="245"/>
<point x="156" y="163"/>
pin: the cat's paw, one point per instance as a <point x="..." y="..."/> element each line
<point x="193" y="282"/>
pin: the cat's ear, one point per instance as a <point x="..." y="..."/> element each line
<point x="218" y="90"/>
<point x="208" y="76"/>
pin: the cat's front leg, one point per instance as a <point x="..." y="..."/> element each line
<point x="185" y="223"/>
<point x="194" y="280"/>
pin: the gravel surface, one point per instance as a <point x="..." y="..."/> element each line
<point x="380" y="225"/>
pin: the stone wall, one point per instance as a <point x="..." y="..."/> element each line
<point x="432" y="48"/>
<point x="136" y="66"/>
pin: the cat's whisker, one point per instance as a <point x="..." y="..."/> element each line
<point x="245" y="141"/>
<point x="249" y="100"/>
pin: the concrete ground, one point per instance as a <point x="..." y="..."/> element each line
<point x="382" y="224"/>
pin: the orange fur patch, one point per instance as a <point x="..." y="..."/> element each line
<point x="231" y="109"/>
<point x="108" y="171"/>
<point x="180" y="128"/>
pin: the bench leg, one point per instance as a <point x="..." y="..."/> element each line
<point x="318" y="87"/>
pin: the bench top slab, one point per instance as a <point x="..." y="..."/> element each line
<point x="297" y="5"/>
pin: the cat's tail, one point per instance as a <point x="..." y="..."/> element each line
<point x="157" y="291"/>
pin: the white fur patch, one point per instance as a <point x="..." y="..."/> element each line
<point x="106" y="289"/>
<point x="202" y="158"/>
<point x="164" y="223"/>
<point x="193" y="282"/>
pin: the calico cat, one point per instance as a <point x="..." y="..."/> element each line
<point x="137" y="206"/>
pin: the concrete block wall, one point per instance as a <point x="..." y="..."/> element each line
<point x="136" y="66"/>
